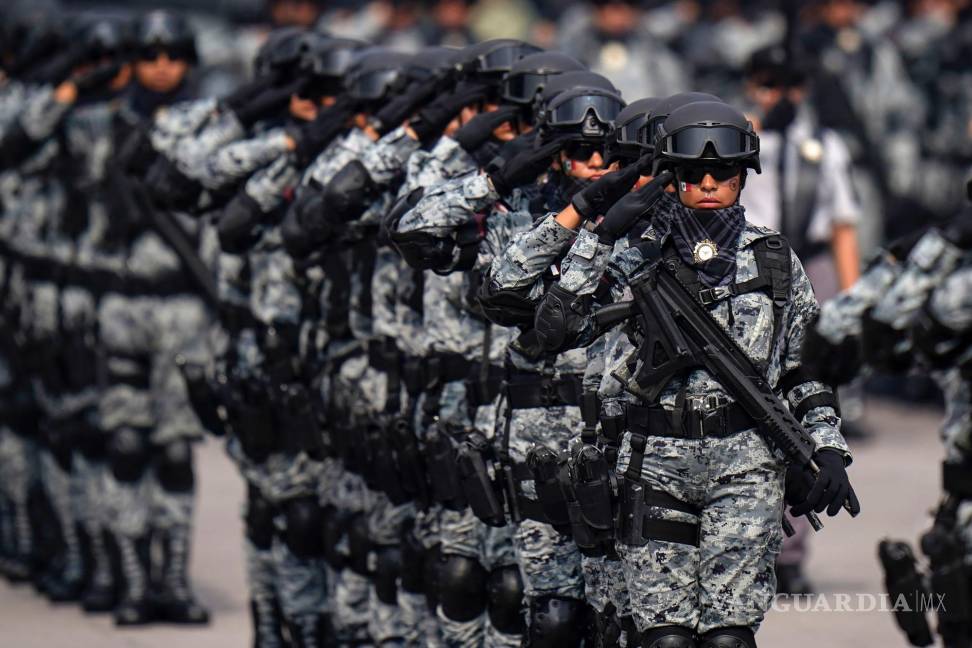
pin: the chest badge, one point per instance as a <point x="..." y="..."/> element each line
<point x="705" y="250"/>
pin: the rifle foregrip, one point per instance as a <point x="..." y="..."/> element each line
<point x="614" y="314"/>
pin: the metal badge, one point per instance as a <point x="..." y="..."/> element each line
<point x="705" y="250"/>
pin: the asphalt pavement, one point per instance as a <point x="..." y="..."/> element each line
<point x="896" y="474"/>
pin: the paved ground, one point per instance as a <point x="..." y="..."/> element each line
<point x="895" y="498"/>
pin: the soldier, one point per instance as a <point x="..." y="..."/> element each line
<point x="704" y="231"/>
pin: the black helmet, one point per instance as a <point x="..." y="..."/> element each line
<point x="772" y="67"/>
<point x="664" y="109"/>
<point x="32" y="32"/>
<point x="494" y="58"/>
<point x="433" y="61"/>
<point x="707" y="132"/>
<point x="325" y="61"/>
<point x="588" y="112"/>
<point x="107" y="38"/>
<point x="571" y="80"/>
<point x="624" y="142"/>
<point x="280" y="50"/>
<point x="165" y="31"/>
<point x="529" y="75"/>
<point x="376" y="73"/>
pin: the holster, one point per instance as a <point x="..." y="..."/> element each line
<point x="252" y="420"/>
<point x="484" y="495"/>
<point x="949" y="576"/>
<point x="591" y="497"/>
<point x="204" y="399"/>
<point x="546" y="467"/>
<point x="386" y="466"/>
<point x="409" y="460"/>
<point x="902" y="579"/>
<point x="443" y="470"/>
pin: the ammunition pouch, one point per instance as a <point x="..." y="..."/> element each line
<point x="481" y="490"/>
<point x="902" y="579"/>
<point x="545" y="468"/>
<point x="409" y="461"/>
<point x="444" y="477"/>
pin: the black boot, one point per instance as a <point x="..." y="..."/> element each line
<point x="68" y="580"/>
<point x="267" y="624"/>
<point x="175" y="602"/>
<point x="134" y="608"/>
<point x="99" y="595"/>
<point x="790" y="580"/>
<point x="307" y="631"/>
<point x="20" y="561"/>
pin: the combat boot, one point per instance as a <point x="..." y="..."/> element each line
<point x="67" y="581"/>
<point x="267" y="624"/>
<point x="791" y="580"/>
<point x="134" y="607"/>
<point x="99" y="594"/>
<point x="175" y="602"/>
<point x="307" y="631"/>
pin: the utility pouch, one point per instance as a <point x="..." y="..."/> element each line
<point x="409" y="460"/>
<point x="480" y="490"/>
<point x="444" y="472"/>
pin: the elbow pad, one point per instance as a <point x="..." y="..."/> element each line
<point x="884" y="347"/>
<point x="831" y="364"/>
<point x="421" y="250"/>
<point x="305" y="226"/>
<point x="350" y="192"/>
<point x="560" y="319"/>
<point x="506" y="307"/>
<point x="170" y="187"/>
<point x="238" y="226"/>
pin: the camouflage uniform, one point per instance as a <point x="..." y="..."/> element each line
<point x="735" y="482"/>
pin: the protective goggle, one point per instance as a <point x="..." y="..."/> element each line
<point x="728" y="142"/>
<point x="523" y="88"/>
<point x="333" y="62"/>
<point x="630" y="132"/>
<point x="174" y="52"/>
<point x="372" y="85"/>
<point x="501" y="60"/>
<point x="577" y="109"/>
<point x="696" y="173"/>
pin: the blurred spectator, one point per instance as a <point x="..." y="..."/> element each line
<point x="613" y="38"/>
<point x="862" y="91"/>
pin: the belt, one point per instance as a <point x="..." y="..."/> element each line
<point x="529" y="390"/>
<point x="702" y="417"/>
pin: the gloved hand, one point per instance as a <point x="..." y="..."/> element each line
<point x="831" y="487"/>
<point x="480" y="128"/>
<point x="96" y="79"/>
<point x="395" y="112"/>
<point x="267" y="103"/>
<point x="58" y="69"/>
<point x="628" y="210"/>
<point x="596" y="198"/>
<point x="313" y="136"/>
<point x="247" y="92"/>
<point x="433" y="119"/>
<point x="523" y="168"/>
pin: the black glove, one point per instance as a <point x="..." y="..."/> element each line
<point x="629" y="209"/>
<point x="831" y="487"/>
<point x="433" y="119"/>
<point x="247" y="92"/>
<point x="96" y="79"/>
<point x="596" y="198"/>
<point x="524" y="167"/>
<point x="313" y="136"/>
<point x="395" y="112"/>
<point x="58" y="69"/>
<point x="478" y="130"/>
<point x="267" y="103"/>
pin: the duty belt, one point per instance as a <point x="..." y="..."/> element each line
<point x="531" y="390"/>
<point x="444" y="368"/>
<point x="699" y="418"/>
<point x="482" y="389"/>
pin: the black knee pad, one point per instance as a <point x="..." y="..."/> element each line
<point x="259" y="520"/>
<point x="668" y="637"/>
<point x="359" y="544"/>
<point x="388" y="566"/>
<point x="303" y="532"/>
<point x="462" y="587"/>
<point x="557" y="622"/>
<point x="173" y="467"/>
<point x="413" y="562"/>
<point x="430" y="577"/>
<point x="129" y="454"/>
<point x="734" y="637"/>
<point x="334" y="526"/>
<point x="504" y="590"/>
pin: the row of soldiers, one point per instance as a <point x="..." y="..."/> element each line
<point x="386" y="281"/>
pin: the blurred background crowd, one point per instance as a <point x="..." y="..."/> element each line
<point x="892" y="77"/>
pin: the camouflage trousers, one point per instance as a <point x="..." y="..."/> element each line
<point x="463" y="534"/>
<point x="300" y="582"/>
<point x="60" y="487"/>
<point x="419" y="622"/>
<point x="550" y="562"/>
<point x="19" y="468"/>
<point x="729" y="579"/>
<point x="262" y="580"/>
<point x="90" y="476"/>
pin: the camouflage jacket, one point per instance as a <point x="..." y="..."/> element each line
<point x="748" y="319"/>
